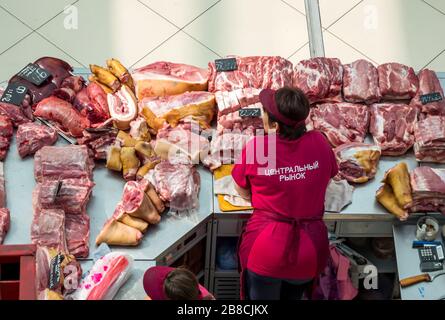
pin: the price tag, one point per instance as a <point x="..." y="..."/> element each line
<point x="55" y="272"/>
<point x="15" y="93"/>
<point x="34" y="74"/>
<point x="250" y="113"/>
<point x="431" y="97"/>
<point x="227" y="64"/>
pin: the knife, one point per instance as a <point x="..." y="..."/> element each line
<point x="419" y="278"/>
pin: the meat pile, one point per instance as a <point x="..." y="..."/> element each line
<point x="392" y="127"/>
<point x="5" y="218"/>
<point x="6" y="131"/>
<point x="428" y="190"/>
<point x="238" y="91"/>
<point x="320" y="79"/>
<point x="64" y="185"/>
<point x="31" y="137"/>
<point x="357" y="162"/>
<point x="252" y="72"/>
<point x="341" y="122"/>
<point x="430" y="139"/>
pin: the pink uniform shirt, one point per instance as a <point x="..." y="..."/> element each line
<point x="294" y="189"/>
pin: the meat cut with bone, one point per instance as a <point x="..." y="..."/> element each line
<point x="392" y="127"/>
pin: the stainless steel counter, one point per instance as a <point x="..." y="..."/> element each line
<point x="19" y="175"/>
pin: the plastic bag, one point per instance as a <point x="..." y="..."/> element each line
<point x="106" y="277"/>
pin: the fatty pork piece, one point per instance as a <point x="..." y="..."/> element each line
<point x="399" y="179"/>
<point x="31" y="137"/>
<point x="123" y="107"/>
<point x="6" y="131"/>
<point x="182" y="144"/>
<point x="320" y="79"/>
<point x="428" y="187"/>
<point x="361" y="82"/>
<point x="177" y="185"/>
<point x="397" y="81"/>
<point x="341" y="122"/>
<point x="55" y="163"/>
<point x="430" y="139"/>
<point x="5" y="221"/>
<point x="358" y="161"/>
<point x="266" y="72"/>
<point x="77" y="229"/>
<point x="64" y="114"/>
<point x="2" y="187"/>
<point x="198" y="106"/>
<point x="48" y="229"/>
<point x="429" y="83"/>
<point x="167" y="78"/>
<point x="392" y="127"/>
<point x="71" y="195"/>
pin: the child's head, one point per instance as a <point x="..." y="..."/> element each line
<point x="181" y="284"/>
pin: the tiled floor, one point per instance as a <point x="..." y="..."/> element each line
<point x="197" y="31"/>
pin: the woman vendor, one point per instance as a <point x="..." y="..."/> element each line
<point x="285" y="243"/>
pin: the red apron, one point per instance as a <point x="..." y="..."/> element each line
<point x="314" y="226"/>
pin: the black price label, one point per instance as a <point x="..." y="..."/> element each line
<point x="15" y="93"/>
<point x="250" y="113"/>
<point x="227" y="64"/>
<point x="34" y="74"/>
<point x="431" y="97"/>
<point x="55" y="272"/>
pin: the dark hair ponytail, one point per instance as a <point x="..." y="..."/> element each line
<point x="293" y="104"/>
